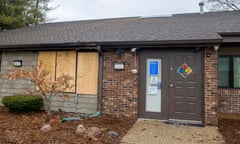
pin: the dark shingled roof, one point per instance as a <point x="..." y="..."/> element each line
<point x="179" y="27"/>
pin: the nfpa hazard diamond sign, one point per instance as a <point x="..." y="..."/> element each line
<point x="184" y="70"/>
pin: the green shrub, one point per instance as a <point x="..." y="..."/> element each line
<point x="23" y="103"/>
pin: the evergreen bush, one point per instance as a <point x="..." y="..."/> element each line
<point x="23" y="103"/>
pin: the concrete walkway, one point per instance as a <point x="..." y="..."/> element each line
<point x="157" y="132"/>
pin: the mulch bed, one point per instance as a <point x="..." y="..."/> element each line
<point x="25" y="129"/>
<point x="229" y="126"/>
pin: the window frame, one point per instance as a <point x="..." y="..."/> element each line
<point x="231" y="71"/>
<point x="0" y="61"/>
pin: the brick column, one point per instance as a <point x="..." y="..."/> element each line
<point x="210" y="86"/>
<point x="120" y="87"/>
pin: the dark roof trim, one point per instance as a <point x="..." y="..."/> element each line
<point x="62" y="46"/>
<point x="230" y="34"/>
<point x="231" y="37"/>
<point x="93" y="45"/>
<point x="162" y="43"/>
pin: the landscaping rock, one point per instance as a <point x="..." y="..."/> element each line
<point x="113" y="134"/>
<point x="80" y="129"/>
<point x="93" y="131"/>
<point x="46" y="128"/>
<point x="25" y="129"/>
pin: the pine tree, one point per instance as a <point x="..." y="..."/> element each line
<point x="22" y="13"/>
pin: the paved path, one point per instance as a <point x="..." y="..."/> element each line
<point x="157" y="132"/>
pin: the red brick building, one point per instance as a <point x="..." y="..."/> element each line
<point x="180" y="68"/>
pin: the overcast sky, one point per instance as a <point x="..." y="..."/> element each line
<point x="70" y="10"/>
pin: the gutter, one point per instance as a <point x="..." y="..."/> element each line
<point x="93" y="45"/>
<point x="100" y="78"/>
<point x="165" y="43"/>
<point x="46" y="47"/>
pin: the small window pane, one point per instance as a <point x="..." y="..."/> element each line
<point x="223" y="71"/>
<point x="236" y="71"/>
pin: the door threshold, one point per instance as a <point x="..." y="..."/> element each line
<point x="184" y="122"/>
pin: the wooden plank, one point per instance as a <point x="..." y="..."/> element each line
<point x="48" y="59"/>
<point x="87" y="73"/>
<point x="66" y="64"/>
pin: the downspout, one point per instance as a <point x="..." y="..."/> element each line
<point x="100" y="73"/>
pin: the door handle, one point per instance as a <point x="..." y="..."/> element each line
<point x="171" y="85"/>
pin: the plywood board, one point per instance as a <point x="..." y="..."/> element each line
<point x="48" y="60"/>
<point x="87" y="73"/>
<point x="66" y="64"/>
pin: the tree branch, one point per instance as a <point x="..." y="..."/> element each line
<point x="225" y="4"/>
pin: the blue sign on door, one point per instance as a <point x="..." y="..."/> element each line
<point x="153" y="68"/>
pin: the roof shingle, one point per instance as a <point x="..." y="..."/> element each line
<point x="180" y="27"/>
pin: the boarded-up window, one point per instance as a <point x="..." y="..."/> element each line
<point x="48" y="60"/>
<point x="58" y="63"/>
<point x="87" y="73"/>
<point x="66" y="64"/>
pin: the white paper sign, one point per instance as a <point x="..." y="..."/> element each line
<point x="153" y="80"/>
<point x="152" y="90"/>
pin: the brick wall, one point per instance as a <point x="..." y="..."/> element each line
<point x="120" y="88"/>
<point x="229" y="100"/>
<point x="210" y="86"/>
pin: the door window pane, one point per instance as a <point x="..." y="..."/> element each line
<point x="236" y="73"/>
<point x="153" y="86"/>
<point x="223" y="71"/>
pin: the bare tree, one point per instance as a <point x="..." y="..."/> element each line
<point x="217" y="5"/>
<point x="44" y="84"/>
